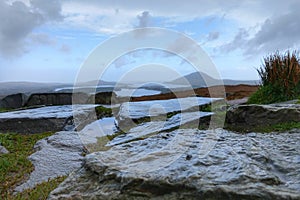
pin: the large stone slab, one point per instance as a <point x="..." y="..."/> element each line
<point x="191" y="164"/>
<point x="37" y="120"/>
<point x="130" y="112"/>
<point x="13" y="101"/>
<point x="141" y="131"/>
<point x="248" y="116"/>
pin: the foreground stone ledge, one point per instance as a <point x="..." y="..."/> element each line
<point x="191" y="164"/>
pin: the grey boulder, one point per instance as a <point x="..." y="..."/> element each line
<point x="247" y="116"/>
<point x="13" y="101"/>
<point x="49" y="118"/>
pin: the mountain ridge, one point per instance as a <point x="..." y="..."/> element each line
<point x="201" y="79"/>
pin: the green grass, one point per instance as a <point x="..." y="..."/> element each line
<point x="268" y="94"/>
<point x="40" y="191"/>
<point x="15" y="167"/>
<point x="4" y="110"/>
<point x="281" y="127"/>
<point x="103" y="112"/>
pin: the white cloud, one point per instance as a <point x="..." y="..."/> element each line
<point x="19" y="19"/>
<point x="245" y="13"/>
<point x="279" y="32"/>
<point x="249" y="20"/>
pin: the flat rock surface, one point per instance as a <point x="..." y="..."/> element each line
<point x="57" y="155"/>
<point x="191" y="164"/>
<point x="37" y="120"/>
<point x="131" y="111"/>
<point x="148" y="128"/>
<point x="45" y="112"/>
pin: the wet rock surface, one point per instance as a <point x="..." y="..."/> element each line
<point x="134" y="111"/>
<point x="247" y="116"/>
<point x="37" y="120"/>
<point x="191" y="164"/>
<point x="57" y="155"/>
<point x="146" y="129"/>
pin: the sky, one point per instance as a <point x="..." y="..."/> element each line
<point x="49" y="41"/>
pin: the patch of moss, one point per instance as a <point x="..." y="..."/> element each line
<point x="206" y="108"/>
<point x="15" y="167"/>
<point x="171" y="114"/>
<point x="103" y="112"/>
<point x="4" y="110"/>
<point x="281" y="127"/>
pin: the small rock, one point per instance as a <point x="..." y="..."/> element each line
<point x="3" y="150"/>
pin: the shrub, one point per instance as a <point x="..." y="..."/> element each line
<point x="280" y="79"/>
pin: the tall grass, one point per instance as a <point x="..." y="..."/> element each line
<point x="280" y="78"/>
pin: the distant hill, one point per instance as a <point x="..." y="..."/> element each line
<point x="7" y="88"/>
<point x="197" y="80"/>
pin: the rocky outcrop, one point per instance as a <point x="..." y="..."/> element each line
<point x="131" y="113"/>
<point x="191" y="164"/>
<point x="103" y="98"/>
<point x="146" y="129"/>
<point x="3" y="150"/>
<point x="44" y="119"/>
<point x="55" y="99"/>
<point x="57" y="155"/>
<point x="249" y="116"/>
<point x="13" y="101"/>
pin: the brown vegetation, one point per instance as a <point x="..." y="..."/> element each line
<point x="231" y="92"/>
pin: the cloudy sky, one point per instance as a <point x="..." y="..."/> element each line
<point x="43" y="40"/>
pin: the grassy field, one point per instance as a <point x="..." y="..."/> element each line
<point x="15" y="167"/>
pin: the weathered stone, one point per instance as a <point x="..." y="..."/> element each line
<point x="131" y="112"/>
<point x="51" y="118"/>
<point x="13" y="101"/>
<point x="57" y="155"/>
<point x="56" y="99"/>
<point x="193" y="119"/>
<point x="3" y="150"/>
<point x="191" y="164"/>
<point x="248" y="116"/>
<point x="103" y="98"/>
